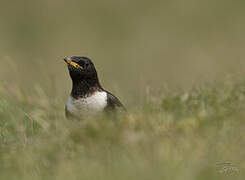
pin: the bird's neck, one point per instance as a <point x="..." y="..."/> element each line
<point x="84" y="88"/>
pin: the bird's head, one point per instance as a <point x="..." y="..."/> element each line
<point x="81" y="68"/>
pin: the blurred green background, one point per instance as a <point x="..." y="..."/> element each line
<point x="134" y="44"/>
<point x="190" y="52"/>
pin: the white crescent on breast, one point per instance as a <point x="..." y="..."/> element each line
<point x="92" y="104"/>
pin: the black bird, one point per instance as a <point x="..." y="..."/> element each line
<point x="87" y="96"/>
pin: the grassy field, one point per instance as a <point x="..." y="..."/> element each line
<point x="178" y="66"/>
<point x="195" y="134"/>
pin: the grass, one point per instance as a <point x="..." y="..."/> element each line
<point x="138" y="48"/>
<point x="183" y="135"/>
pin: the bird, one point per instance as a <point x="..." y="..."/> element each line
<point x="87" y="96"/>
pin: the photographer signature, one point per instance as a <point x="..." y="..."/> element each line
<point x="226" y="168"/>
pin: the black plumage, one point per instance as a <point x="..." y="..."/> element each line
<point x="87" y="95"/>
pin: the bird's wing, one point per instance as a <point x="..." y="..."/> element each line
<point x="113" y="102"/>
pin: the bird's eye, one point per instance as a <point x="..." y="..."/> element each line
<point x="87" y="64"/>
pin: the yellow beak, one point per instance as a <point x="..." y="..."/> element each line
<point x="73" y="64"/>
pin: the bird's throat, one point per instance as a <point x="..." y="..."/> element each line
<point x="84" y="88"/>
